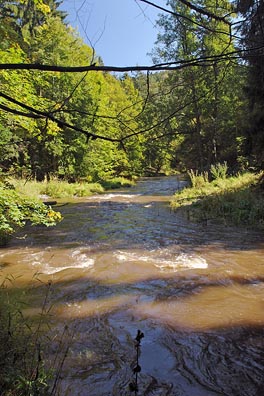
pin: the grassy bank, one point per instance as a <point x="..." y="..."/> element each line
<point x="63" y="189"/>
<point x="236" y="200"/>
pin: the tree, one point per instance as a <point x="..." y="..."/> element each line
<point x="157" y="122"/>
<point x="205" y="88"/>
<point x="44" y="113"/>
<point x="252" y="26"/>
<point x="69" y="111"/>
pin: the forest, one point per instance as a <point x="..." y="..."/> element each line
<point x="97" y="124"/>
<point x="64" y="115"/>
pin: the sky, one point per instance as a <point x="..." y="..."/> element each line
<point x="122" y="32"/>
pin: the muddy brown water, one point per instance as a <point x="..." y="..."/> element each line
<point x="122" y="261"/>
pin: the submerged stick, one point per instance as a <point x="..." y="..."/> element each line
<point x="133" y="386"/>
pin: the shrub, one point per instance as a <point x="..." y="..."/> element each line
<point x="16" y="210"/>
<point x="57" y="189"/>
<point x="219" y="171"/>
<point x="234" y="200"/>
<point x="86" y="189"/>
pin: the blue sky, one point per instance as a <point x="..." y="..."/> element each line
<point x="121" y="31"/>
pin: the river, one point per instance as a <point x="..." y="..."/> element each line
<point x="122" y="261"/>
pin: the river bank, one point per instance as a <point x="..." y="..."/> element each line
<point x="236" y="200"/>
<point x="63" y="189"/>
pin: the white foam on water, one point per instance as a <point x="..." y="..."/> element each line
<point x="35" y="259"/>
<point x="179" y="262"/>
<point x="104" y="197"/>
<point x="53" y="270"/>
<point x="78" y="259"/>
<point x="183" y="261"/>
<point x="43" y="260"/>
<point x="128" y="256"/>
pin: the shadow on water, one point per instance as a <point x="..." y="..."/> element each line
<point x="181" y="354"/>
<point x="122" y="262"/>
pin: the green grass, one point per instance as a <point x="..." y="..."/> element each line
<point x="63" y="189"/>
<point x="117" y="182"/>
<point x="56" y="189"/>
<point x="237" y="200"/>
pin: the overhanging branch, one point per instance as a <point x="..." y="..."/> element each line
<point x="201" y="61"/>
<point x="35" y="113"/>
<point x="192" y="6"/>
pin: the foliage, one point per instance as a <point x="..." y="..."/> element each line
<point x="59" y="189"/>
<point x="251" y="31"/>
<point x="97" y="102"/>
<point x="217" y="171"/>
<point x="235" y="200"/>
<point x="16" y="210"/>
<point x="160" y="142"/>
<point x="205" y="101"/>
<point x="62" y="189"/>
<point x="186" y="119"/>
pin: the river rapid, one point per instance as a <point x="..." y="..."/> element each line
<point x="122" y="261"/>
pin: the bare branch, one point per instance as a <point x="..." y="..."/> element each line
<point x="34" y="113"/>
<point x="190" y="5"/>
<point x="18" y="112"/>
<point x="176" y="65"/>
<point x="193" y="21"/>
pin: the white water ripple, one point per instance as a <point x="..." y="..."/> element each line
<point x="183" y="261"/>
<point x="52" y="270"/>
<point x="75" y="259"/>
<point x="179" y="262"/>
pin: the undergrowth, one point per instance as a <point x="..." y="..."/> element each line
<point x="24" y="370"/>
<point x="234" y="200"/>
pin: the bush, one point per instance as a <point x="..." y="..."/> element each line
<point x="219" y="171"/>
<point x="16" y="210"/>
<point x="58" y="189"/>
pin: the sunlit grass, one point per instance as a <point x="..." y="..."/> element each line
<point x="63" y="189"/>
<point x="236" y="200"/>
<point x="117" y="182"/>
<point x="56" y="189"/>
